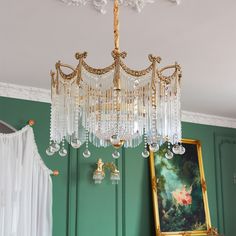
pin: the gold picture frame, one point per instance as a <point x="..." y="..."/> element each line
<point x="167" y="218"/>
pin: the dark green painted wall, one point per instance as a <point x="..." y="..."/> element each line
<point x="84" y="209"/>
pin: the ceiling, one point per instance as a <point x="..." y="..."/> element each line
<point x="199" y="34"/>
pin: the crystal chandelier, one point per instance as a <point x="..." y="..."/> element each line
<point x="115" y="105"/>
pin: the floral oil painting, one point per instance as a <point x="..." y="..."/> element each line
<point x="179" y="192"/>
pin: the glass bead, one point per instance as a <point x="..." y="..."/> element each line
<point x="75" y="143"/>
<point x="169" y="155"/>
<point x="181" y="149"/>
<point x="145" y="154"/>
<point x="176" y="149"/>
<point x="115" y="154"/>
<point x="50" y="151"/>
<point x="86" y="153"/>
<point x="114" y="139"/>
<point x="63" y="152"/>
<point x="55" y="146"/>
<point x="154" y="147"/>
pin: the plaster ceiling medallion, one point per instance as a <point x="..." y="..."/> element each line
<point x="100" y="5"/>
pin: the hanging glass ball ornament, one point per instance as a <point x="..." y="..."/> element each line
<point x="55" y="146"/>
<point x="181" y="149"/>
<point x="63" y="152"/>
<point x="114" y="139"/>
<point x="115" y="154"/>
<point x="169" y="155"/>
<point x="176" y="148"/>
<point x="86" y="153"/>
<point x="145" y="154"/>
<point x="154" y="147"/>
<point x="75" y="143"/>
<point x="50" y="151"/>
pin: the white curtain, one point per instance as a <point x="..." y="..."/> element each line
<point x="25" y="187"/>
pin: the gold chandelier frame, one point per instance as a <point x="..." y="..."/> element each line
<point x="117" y="65"/>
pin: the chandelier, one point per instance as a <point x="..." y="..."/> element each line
<point x="115" y="105"/>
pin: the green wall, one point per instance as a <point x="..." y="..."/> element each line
<point x="82" y="208"/>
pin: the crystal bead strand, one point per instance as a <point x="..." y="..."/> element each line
<point x="154" y="146"/>
<point x="75" y="142"/>
<point x="145" y="152"/>
<point x="181" y="147"/>
<point x="145" y="102"/>
<point x="86" y="152"/>
<point x="175" y="147"/>
<point x="158" y="122"/>
<point x="169" y="155"/>
<point x="54" y="122"/>
<point x="99" y="131"/>
<point x="115" y="139"/>
<point x="63" y="151"/>
<point x="125" y="131"/>
<point x="169" y="121"/>
<point x="69" y="111"/>
<point x="63" y="113"/>
<point x="134" y="114"/>
<point x="50" y="151"/>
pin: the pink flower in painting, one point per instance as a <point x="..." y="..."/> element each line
<point x="182" y="196"/>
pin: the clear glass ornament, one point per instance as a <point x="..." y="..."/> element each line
<point x="145" y="154"/>
<point x="176" y="149"/>
<point x="154" y="147"/>
<point x="75" y="143"/>
<point x="63" y="152"/>
<point x="50" y="151"/>
<point x="169" y="155"/>
<point x="114" y="139"/>
<point x="55" y="146"/>
<point x="181" y="149"/>
<point x="115" y="154"/>
<point x="86" y="153"/>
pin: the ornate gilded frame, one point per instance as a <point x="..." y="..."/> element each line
<point x="154" y="184"/>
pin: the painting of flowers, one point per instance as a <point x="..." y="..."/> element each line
<point x="179" y="191"/>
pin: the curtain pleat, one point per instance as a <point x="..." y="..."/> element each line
<point x="25" y="187"/>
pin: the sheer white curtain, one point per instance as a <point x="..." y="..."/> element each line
<point x="25" y="187"/>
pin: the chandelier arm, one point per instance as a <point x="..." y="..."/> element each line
<point x="135" y="73"/>
<point x="53" y="79"/>
<point x="116" y="25"/>
<point x="54" y="82"/>
<point x="167" y="79"/>
<point x="176" y="67"/>
<point x="63" y="75"/>
<point x="59" y="64"/>
<point x="97" y="71"/>
<point x="67" y="76"/>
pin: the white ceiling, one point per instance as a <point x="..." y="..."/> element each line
<point x="199" y="34"/>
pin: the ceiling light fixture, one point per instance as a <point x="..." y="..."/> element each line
<point x="116" y="105"/>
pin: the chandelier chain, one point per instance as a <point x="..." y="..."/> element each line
<point x="116" y="25"/>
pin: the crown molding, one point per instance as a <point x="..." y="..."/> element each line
<point x="43" y="95"/>
<point x="25" y="92"/>
<point x="205" y="119"/>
